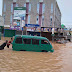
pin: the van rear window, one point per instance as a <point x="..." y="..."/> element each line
<point x="18" y="40"/>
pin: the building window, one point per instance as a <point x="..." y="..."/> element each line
<point x="40" y="0"/>
<point x="27" y="0"/>
<point x="16" y="5"/>
<point x="15" y="1"/>
<point x="37" y="21"/>
<point x="29" y="7"/>
<point x="43" y="8"/>
<point x="28" y="19"/>
<point x="51" y="7"/>
<point x="11" y="7"/>
<point x="4" y="7"/>
<point x="35" y="41"/>
<point x="4" y="18"/>
<point x="38" y="8"/>
<point x="11" y="19"/>
<point x="42" y="20"/>
<point x="24" y="5"/>
<point x="51" y="20"/>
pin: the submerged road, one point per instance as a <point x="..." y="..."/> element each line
<point x="58" y="61"/>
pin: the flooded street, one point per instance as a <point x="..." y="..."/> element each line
<point x="16" y="61"/>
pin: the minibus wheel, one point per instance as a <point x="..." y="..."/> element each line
<point x="22" y="50"/>
<point x="44" y="51"/>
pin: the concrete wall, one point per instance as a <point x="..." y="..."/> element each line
<point x="57" y="16"/>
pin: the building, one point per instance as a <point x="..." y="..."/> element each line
<point x="43" y="12"/>
<point x="1" y="21"/>
<point x="1" y="24"/>
<point x="46" y="13"/>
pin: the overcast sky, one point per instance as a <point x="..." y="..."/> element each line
<point x="66" y="10"/>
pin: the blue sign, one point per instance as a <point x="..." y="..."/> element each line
<point x="32" y="25"/>
<point x="22" y="28"/>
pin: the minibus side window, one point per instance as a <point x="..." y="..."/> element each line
<point x="18" y="40"/>
<point x="35" y="41"/>
<point x="44" y="42"/>
<point x="27" y="41"/>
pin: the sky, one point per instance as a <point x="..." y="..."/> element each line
<point x="66" y="11"/>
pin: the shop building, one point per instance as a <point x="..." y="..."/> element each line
<point x="45" y="13"/>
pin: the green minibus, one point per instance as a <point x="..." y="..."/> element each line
<point x="31" y="43"/>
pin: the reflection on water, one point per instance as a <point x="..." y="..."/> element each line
<point x="16" y="61"/>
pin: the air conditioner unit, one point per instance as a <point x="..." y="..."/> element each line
<point x="40" y="0"/>
<point x="14" y="0"/>
<point x="27" y="0"/>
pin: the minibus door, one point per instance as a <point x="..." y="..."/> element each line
<point x="18" y="44"/>
<point x="35" y="45"/>
<point x="27" y="44"/>
<point x="45" y="45"/>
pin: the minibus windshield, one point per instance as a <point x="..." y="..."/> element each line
<point x="45" y="42"/>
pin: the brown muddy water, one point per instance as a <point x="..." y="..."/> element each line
<point x="58" y="61"/>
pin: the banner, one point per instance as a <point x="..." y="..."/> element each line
<point x="33" y="27"/>
<point x="19" y="14"/>
<point x="19" y="11"/>
<point x="37" y="28"/>
<point x="19" y="18"/>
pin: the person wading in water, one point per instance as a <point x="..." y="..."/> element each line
<point x="3" y="45"/>
<point x="8" y="44"/>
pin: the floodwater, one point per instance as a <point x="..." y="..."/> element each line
<point x="58" y="61"/>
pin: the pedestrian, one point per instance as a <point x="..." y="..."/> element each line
<point x="8" y="44"/>
<point x="3" y="45"/>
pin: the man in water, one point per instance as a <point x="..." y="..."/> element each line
<point x="8" y="44"/>
<point x="3" y="45"/>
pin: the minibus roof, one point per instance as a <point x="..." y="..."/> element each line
<point x="28" y="36"/>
